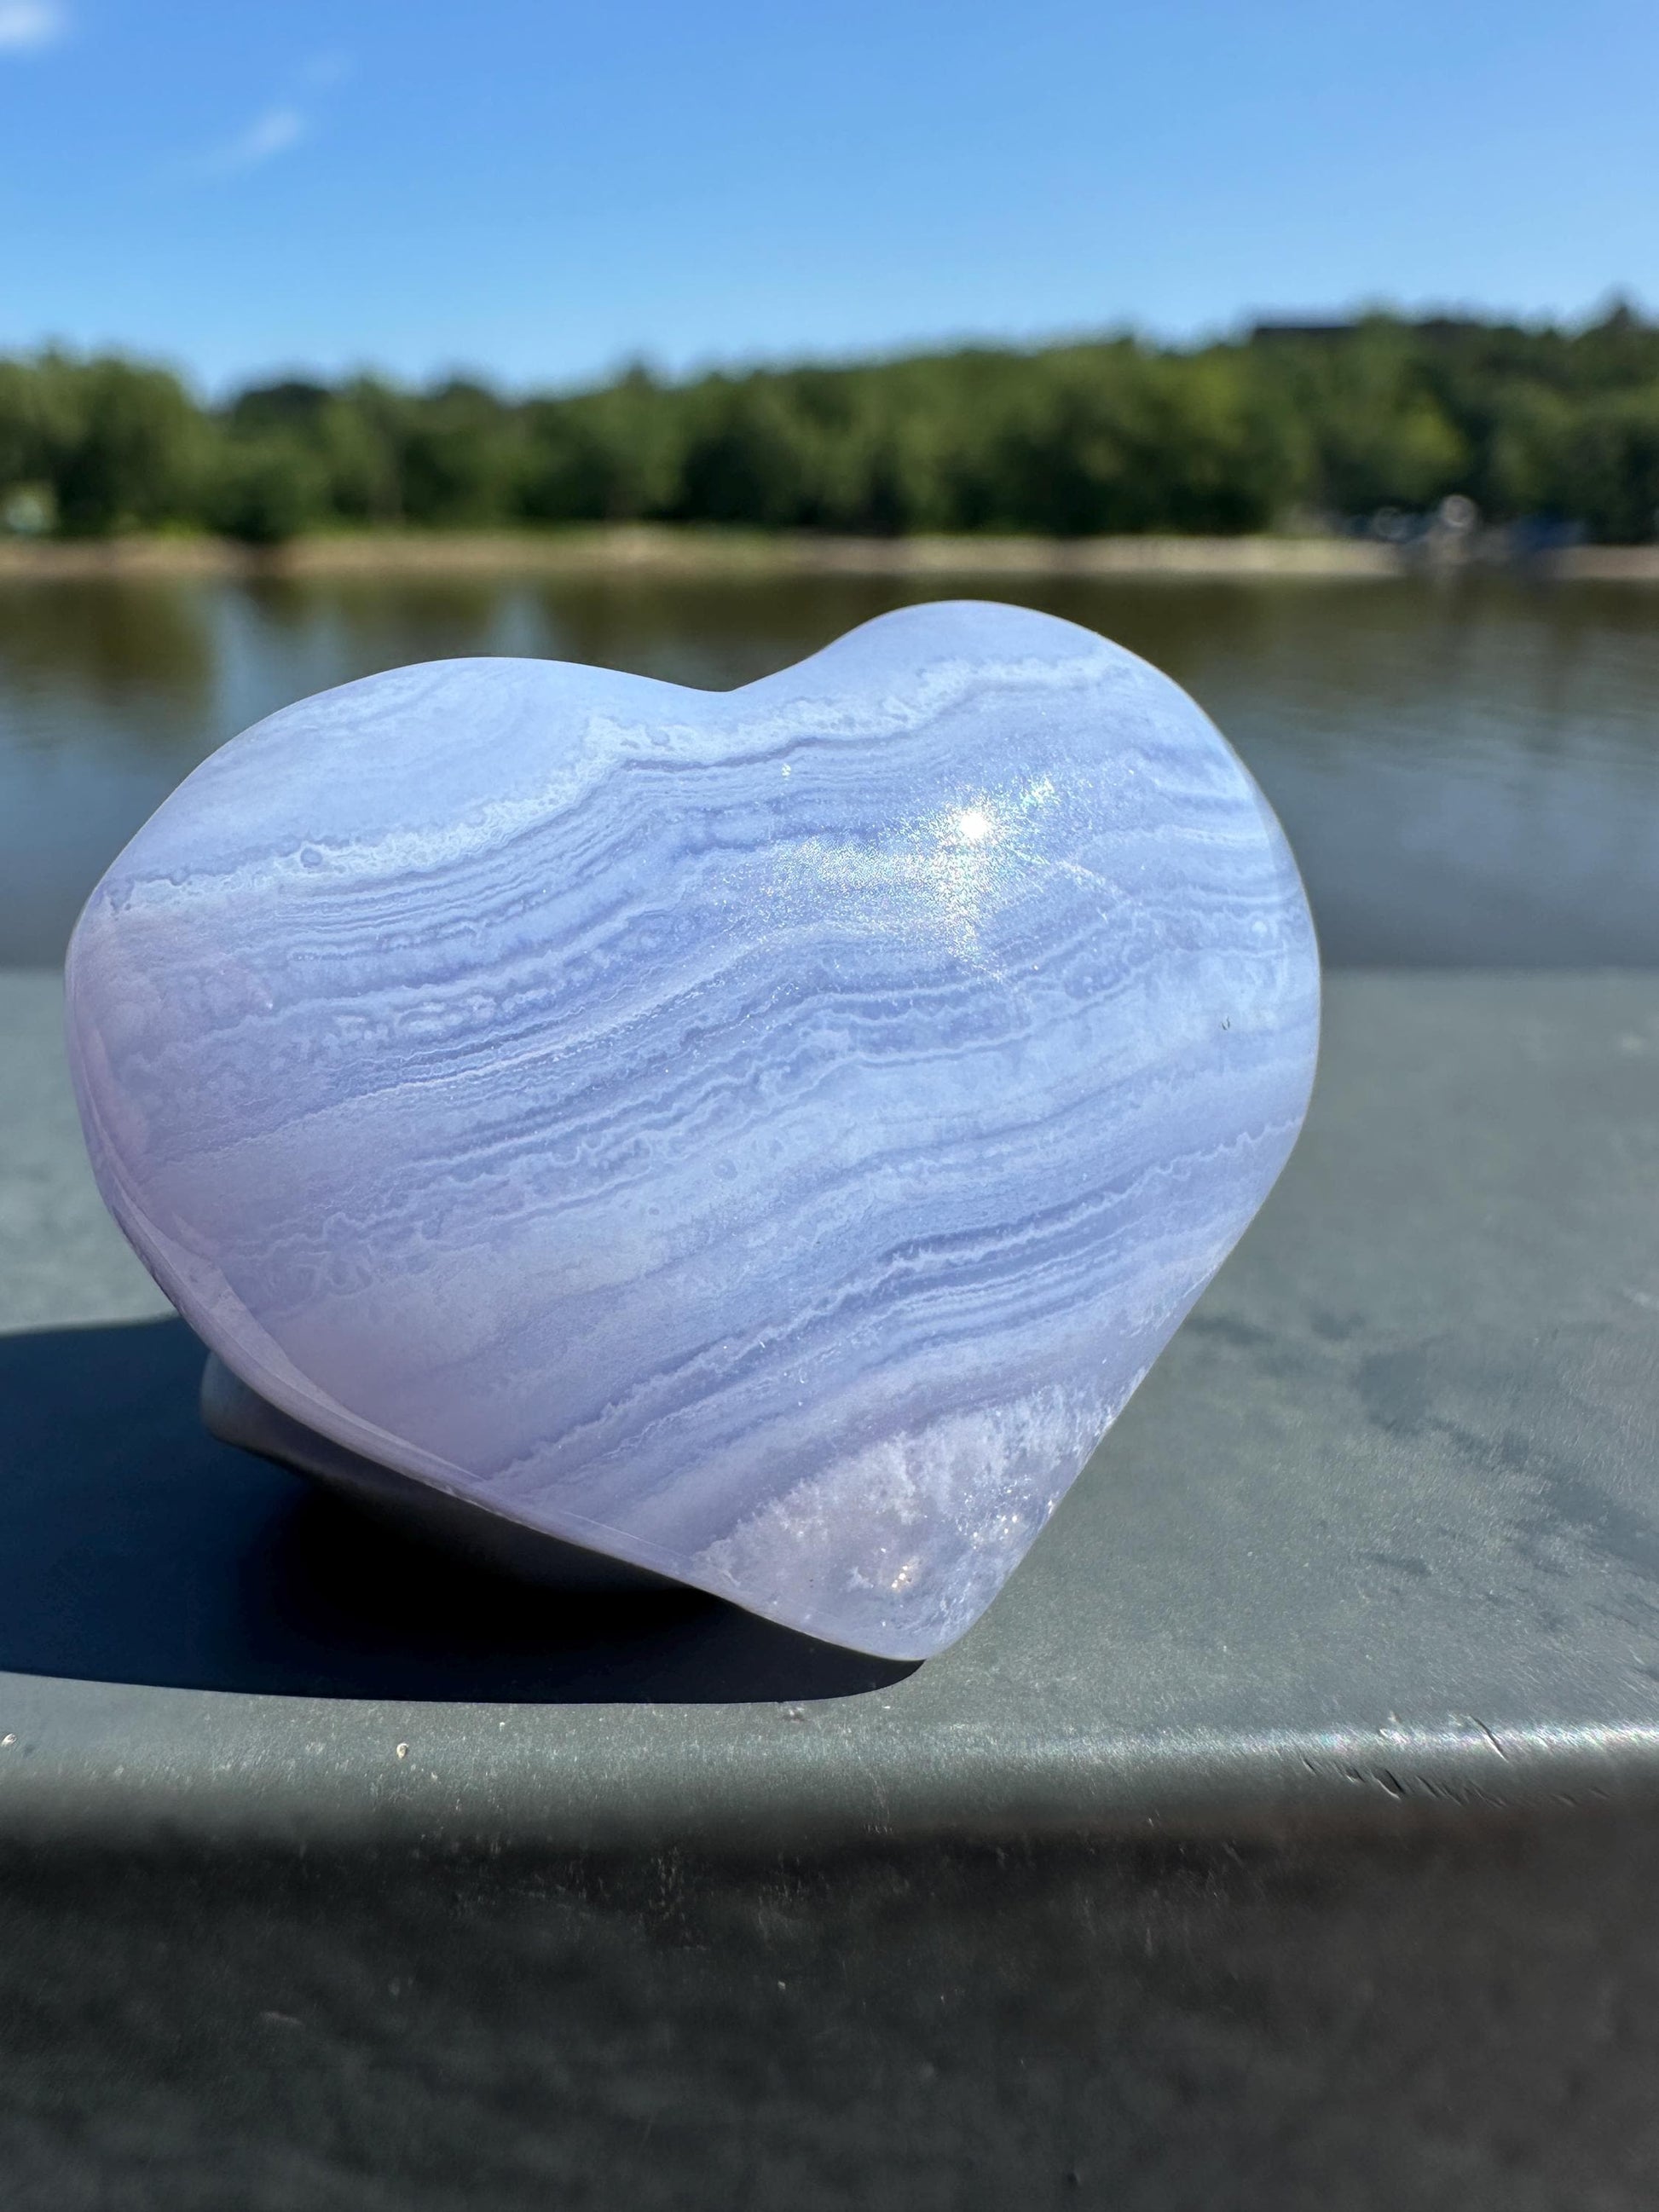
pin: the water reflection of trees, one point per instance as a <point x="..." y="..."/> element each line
<point x="1467" y="766"/>
<point x="382" y="623"/>
<point x="135" y="658"/>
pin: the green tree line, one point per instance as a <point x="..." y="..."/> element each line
<point x="1117" y="435"/>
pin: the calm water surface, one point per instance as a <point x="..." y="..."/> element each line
<point x="1468" y="771"/>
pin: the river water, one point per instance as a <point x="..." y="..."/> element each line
<point x="1468" y="768"/>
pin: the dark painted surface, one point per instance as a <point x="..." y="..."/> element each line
<point x="1374" y="1556"/>
<point x="1380" y="1534"/>
<point x="1467" y="2023"/>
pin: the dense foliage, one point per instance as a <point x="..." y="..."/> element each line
<point x="1117" y="435"/>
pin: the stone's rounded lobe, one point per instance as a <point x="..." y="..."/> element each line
<point x="237" y="1415"/>
<point x="762" y="1136"/>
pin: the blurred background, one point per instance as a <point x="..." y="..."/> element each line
<point x="1307" y="351"/>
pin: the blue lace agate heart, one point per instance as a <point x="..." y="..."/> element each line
<point x="763" y="1135"/>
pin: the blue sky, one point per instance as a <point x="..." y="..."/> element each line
<point x="543" y="190"/>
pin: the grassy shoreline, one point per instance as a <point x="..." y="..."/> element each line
<point x="692" y="551"/>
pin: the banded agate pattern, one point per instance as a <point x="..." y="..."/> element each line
<point x="763" y="1135"/>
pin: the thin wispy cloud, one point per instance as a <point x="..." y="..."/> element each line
<point x="269" y="135"/>
<point x="26" y="25"/>
<point x="277" y="128"/>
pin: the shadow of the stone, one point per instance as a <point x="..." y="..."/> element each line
<point x="134" y="1548"/>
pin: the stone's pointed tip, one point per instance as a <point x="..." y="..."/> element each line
<point x="773" y="1182"/>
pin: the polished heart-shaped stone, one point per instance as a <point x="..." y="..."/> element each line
<point x="762" y="1136"/>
